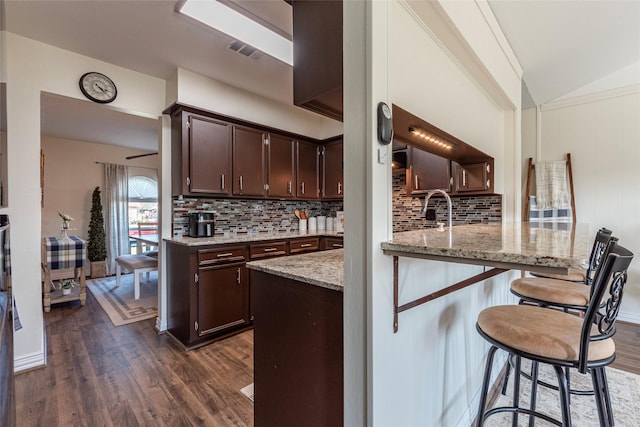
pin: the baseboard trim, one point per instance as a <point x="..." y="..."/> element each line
<point x="30" y="361"/>
<point x="629" y="317"/>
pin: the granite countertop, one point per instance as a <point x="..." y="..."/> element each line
<point x="505" y="245"/>
<point x="324" y="268"/>
<point x="248" y="237"/>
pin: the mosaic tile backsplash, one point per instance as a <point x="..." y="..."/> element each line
<point x="249" y="216"/>
<point x="407" y="210"/>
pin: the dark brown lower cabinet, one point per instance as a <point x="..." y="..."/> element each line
<point x="208" y="293"/>
<point x="298" y="351"/>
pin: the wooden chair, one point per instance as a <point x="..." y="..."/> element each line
<point x="561" y="340"/>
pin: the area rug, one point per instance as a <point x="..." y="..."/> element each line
<point x="248" y="391"/>
<point x="119" y="303"/>
<point x="624" y="388"/>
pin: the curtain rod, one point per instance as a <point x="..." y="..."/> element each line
<point x="129" y="166"/>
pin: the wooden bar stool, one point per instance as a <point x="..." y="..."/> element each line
<point x="561" y="340"/>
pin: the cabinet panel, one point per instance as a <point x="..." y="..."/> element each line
<point x="223" y="297"/>
<point x="307" y="171"/>
<point x="333" y="170"/>
<point x="281" y="170"/>
<point x="209" y="156"/>
<point x="427" y="172"/>
<point x="267" y="250"/>
<point x="473" y="178"/>
<point x="332" y="243"/>
<point x="248" y="162"/>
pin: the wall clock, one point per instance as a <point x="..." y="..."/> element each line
<point x="98" y="87"/>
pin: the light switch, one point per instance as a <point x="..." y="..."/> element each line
<point x="383" y="155"/>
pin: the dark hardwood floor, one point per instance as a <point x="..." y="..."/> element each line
<point x="101" y="375"/>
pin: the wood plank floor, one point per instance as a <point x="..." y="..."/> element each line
<point x="100" y="375"/>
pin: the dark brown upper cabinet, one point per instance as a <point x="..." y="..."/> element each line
<point x="333" y="170"/>
<point x="427" y="172"/>
<point x="201" y="155"/>
<point x="307" y="170"/>
<point x="248" y="162"/>
<point x="281" y="171"/>
<point x="476" y="177"/>
<point x="317" y="56"/>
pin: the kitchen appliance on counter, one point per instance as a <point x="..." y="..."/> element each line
<point x="201" y="224"/>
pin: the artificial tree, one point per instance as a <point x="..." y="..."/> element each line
<point x="97" y="249"/>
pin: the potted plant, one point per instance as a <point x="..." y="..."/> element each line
<point x="97" y="249"/>
<point x="66" y="285"/>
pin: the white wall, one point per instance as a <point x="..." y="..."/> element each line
<point x="33" y="68"/>
<point x="430" y="371"/>
<point x="211" y="95"/>
<point x="601" y="131"/>
<point x="65" y="161"/>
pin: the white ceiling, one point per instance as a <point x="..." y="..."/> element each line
<point x="561" y="45"/>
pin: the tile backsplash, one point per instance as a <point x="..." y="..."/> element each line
<point x="407" y="210"/>
<point x="246" y="215"/>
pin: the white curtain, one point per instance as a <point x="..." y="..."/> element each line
<point x="116" y="179"/>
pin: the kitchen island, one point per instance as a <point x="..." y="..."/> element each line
<point x="298" y="339"/>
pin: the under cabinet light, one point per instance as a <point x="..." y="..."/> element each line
<point x="227" y="20"/>
<point x="429" y="138"/>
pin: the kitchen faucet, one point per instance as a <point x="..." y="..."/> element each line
<point x="426" y="203"/>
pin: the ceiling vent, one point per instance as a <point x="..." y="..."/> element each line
<point x="244" y="49"/>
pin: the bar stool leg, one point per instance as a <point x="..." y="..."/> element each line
<point x="485" y="386"/>
<point x="606" y="396"/>
<point x="534" y="391"/>
<point x="563" y="389"/>
<point x="516" y="390"/>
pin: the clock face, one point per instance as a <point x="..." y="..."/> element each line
<point x="98" y="87"/>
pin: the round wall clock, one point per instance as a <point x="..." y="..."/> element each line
<point x="98" y="87"/>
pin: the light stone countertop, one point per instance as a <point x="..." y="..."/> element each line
<point x="324" y="268"/>
<point x="505" y="245"/>
<point x="248" y="237"/>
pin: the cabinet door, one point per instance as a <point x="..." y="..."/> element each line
<point x="307" y="171"/>
<point x="428" y="172"/>
<point x="474" y="177"/>
<point x="248" y="162"/>
<point x="209" y="156"/>
<point x="333" y="170"/>
<point x="223" y="297"/>
<point x="281" y="166"/>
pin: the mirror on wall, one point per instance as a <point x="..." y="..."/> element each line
<point x="3" y="145"/>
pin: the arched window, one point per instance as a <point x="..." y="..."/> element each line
<point x="143" y="206"/>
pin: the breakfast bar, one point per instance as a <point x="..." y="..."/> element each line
<point x="544" y="247"/>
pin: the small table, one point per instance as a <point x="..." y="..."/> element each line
<point x="147" y="239"/>
<point x="60" y="254"/>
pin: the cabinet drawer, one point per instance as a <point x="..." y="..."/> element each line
<point x="221" y="255"/>
<point x="304" y="245"/>
<point x="333" y="243"/>
<point x="267" y="250"/>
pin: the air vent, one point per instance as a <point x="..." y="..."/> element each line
<point x="244" y="49"/>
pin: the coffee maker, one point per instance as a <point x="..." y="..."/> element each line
<point x="201" y="224"/>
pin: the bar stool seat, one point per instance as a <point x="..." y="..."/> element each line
<point x="574" y="275"/>
<point x="553" y="292"/>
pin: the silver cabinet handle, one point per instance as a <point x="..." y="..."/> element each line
<point x="238" y="277"/>
<point x="222" y="180"/>
<point x="416" y="182"/>
<point x="302" y="187"/>
<point x="305" y="245"/>
<point x="464" y="177"/>
<point x="289" y="187"/>
<point x="270" y="249"/>
<point x="337" y="245"/>
<point x="240" y="182"/>
<point x="339" y="187"/>
<point x="226" y="254"/>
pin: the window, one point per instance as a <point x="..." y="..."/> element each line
<point x="143" y="207"/>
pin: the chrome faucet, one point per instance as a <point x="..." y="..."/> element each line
<point x="426" y="203"/>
